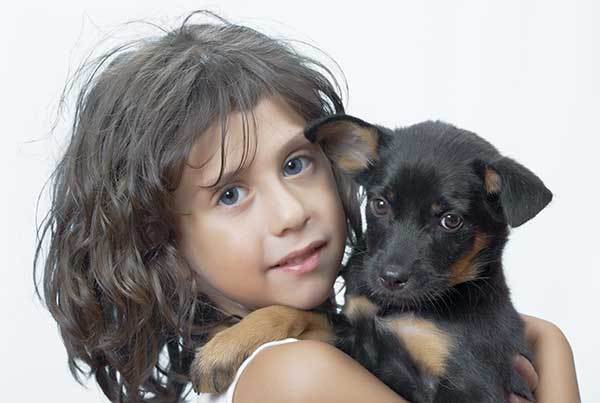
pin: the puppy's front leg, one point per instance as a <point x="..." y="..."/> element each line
<point x="370" y="342"/>
<point x="215" y="364"/>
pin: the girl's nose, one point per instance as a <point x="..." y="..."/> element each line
<point x="286" y="210"/>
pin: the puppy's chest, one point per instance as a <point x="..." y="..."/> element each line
<point x="429" y="343"/>
<point x="440" y="346"/>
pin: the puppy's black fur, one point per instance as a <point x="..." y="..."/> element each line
<point x="440" y="201"/>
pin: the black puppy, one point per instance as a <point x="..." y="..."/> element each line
<point x="429" y="308"/>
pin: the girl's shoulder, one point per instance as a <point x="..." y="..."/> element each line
<point x="306" y="371"/>
<point x="227" y="395"/>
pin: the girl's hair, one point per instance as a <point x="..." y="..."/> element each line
<point x="126" y="302"/>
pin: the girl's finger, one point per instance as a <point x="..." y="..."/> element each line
<point x="527" y="371"/>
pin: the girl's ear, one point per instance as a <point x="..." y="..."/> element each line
<point x="350" y="143"/>
<point x="521" y="193"/>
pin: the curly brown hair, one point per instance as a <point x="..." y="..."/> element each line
<point x="126" y="303"/>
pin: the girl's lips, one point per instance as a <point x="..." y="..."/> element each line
<point x="304" y="263"/>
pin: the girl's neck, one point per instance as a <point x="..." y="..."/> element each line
<point x="226" y="305"/>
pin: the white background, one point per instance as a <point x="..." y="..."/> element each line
<point x="524" y="74"/>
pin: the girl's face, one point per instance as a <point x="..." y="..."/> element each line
<point x="275" y="232"/>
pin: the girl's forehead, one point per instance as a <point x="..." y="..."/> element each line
<point x="249" y="138"/>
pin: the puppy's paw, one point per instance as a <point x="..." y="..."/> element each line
<point x="215" y="364"/>
<point x="359" y="306"/>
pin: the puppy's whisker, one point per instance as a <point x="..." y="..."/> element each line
<point x="441" y="298"/>
<point x="433" y="303"/>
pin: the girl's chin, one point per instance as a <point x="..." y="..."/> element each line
<point x="311" y="301"/>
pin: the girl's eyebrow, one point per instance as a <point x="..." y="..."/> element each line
<point x="298" y="140"/>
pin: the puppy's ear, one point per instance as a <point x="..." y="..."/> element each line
<point x="350" y="143"/>
<point x="521" y="193"/>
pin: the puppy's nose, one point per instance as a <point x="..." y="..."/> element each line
<point x="394" y="279"/>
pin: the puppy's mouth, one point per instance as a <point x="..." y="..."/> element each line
<point x="403" y="294"/>
<point x="397" y="291"/>
<point x="390" y="300"/>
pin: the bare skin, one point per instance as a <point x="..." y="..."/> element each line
<point x="309" y="371"/>
<point x="553" y="360"/>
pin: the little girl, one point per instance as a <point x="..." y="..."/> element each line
<point x="188" y="197"/>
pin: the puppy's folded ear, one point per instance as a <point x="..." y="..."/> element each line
<point x="350" y="143"/>
<point x="522" y="194"/>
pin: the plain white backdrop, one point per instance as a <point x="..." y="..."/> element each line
<point x="523" y="74"/>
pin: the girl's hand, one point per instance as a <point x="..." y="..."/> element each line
<point x="555" y="380"/>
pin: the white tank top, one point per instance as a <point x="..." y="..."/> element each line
<point x="227" y="396"/>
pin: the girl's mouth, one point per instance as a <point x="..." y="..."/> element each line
<point x="302" y="261"/>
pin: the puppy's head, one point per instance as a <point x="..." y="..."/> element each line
<point x="439" y="204"/>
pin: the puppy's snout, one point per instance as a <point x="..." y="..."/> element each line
<point x="394" y="278"/>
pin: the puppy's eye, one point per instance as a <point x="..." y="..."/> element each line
<point x="379" y="206"/>
<point x="451" y="222"/>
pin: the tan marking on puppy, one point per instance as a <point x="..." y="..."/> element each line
<point x="317" y="328"/>
<point x="359" y="306"/>
<point x="463" y="269"/>
<point x="211" y="333"/>
<point x="390" y="196"/>
<point x="492" y="181"/>
<point x="216" y="363"/>
<point x="428" y="345"/>
<point x="350" y="146"/>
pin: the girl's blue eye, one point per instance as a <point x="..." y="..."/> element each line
<point x="232" y="196"/>
<point x="295" y="165"/>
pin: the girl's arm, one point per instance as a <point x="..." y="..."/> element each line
<point x="309" y="371"/>
<point x="553" y="361"/>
